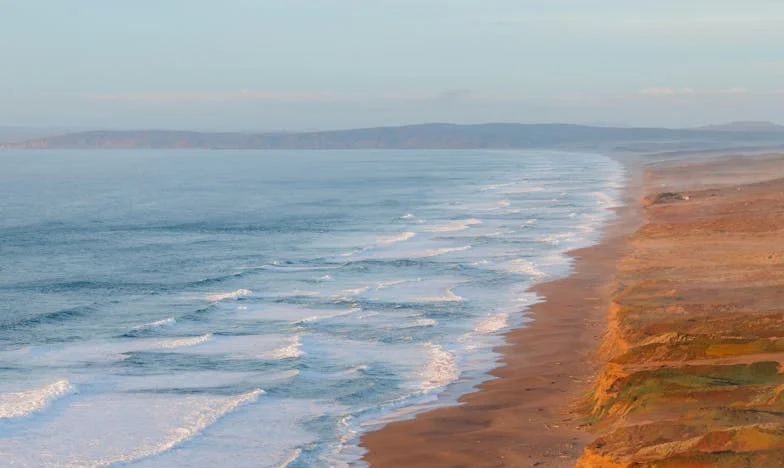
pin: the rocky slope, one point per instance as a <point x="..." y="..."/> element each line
<point x="696" y="339"/>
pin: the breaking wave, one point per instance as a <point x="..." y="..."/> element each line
<point x="452" y="226"/>
<point x="236" y="294"/>
<point x="20" y="404"/>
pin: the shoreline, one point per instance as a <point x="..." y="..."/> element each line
<point x="544" y="368"/>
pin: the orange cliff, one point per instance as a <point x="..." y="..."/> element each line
<point x="695" y="340"/>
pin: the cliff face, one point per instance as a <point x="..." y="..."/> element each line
<point x="696" y="339"/>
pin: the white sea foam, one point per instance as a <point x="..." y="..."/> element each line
<point x="355" y="370"/>
<point x="389" y="284"/>
<point x="395" y="239"/>
<point x="184" y="342"/>
<point x="398" y="254"/>
<point x="447" y="296"/>
<point x="522" y="190"/>
<point x="291" y="458"/>
<point x="194" y="423"/>
<point x="20" y="404"/>
<point x="423" y="322"/>
<point x="603" y="199"/>
<point x="522" y="266"/>
<point x="557" y="238"/>
<point x="456" y="225"/>
<point x="236" y="294"/>
<point x="437" y="252"/>
<point x="328" y="314"/>
<point x="493" y="323"/>
<point x="347" y="293"/>
<point x="407" y="216"/>
<point x="264" y="434"/>
<point x="157" y="324"/>
<point x="290" y="351"/>
<point x="440" y="370"/>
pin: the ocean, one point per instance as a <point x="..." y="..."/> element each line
<point x="264" y="309"/>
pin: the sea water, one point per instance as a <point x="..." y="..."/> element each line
<point x="229" y="308"/>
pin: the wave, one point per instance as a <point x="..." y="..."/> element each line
<point x="604" y="200"/>
<point x="493" y="323"/>
<point x="21" y="404"/>
<point x="456" y="225"/>
<point x="441" y="251"/>
<point x="424" y="322"/>
<point x="198" y="423"/>
<point x="291" y="458"/>
<point x="521" y="190"/>
<point x="522" y="266"/>
<point x="287" y="267"/>
<point x="484" y="206"/>
<point x="355" y="370"/>
<point x="329" y="315"/>
<point x="156" y="324"/>
<point x="51" y="317"/>
<point x="440" y="370"/>
<point x="347" y="294"/>
<point x="287" y="294"/>
<point x="387" y="284"/>
<point x="447" y="296"/>
<point x="557" y="238"/>
<point x="184" y="342"/>
<point x="290" y="351"/>
<point x="407" y="216"/>
<point x="236" y="294"/>
<point x="395" y="239"/>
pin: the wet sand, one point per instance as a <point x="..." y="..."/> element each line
<point x="527" y="415"/>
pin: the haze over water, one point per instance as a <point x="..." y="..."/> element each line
<point x="225" y="308"/>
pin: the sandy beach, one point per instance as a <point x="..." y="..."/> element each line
<point x="661" y="348"/>
<point x="545" y="370"/>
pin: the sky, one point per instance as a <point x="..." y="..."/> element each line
<point x="324" y="64"/>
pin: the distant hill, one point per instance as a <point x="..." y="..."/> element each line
<point x="18" y="134"/>
<point x="425" y="136"/>
<point x="746" y="127"/>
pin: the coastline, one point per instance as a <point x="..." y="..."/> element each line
<point x="695" y="348"/>
<point x="544" y="369"/>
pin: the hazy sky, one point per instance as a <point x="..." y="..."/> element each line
<point x="308" y="64"/>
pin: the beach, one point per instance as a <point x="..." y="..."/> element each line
<point x="661" y="348"/>
<point x="545" y="369"/>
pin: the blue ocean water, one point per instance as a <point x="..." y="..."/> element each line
<point x="226" y="308"/>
